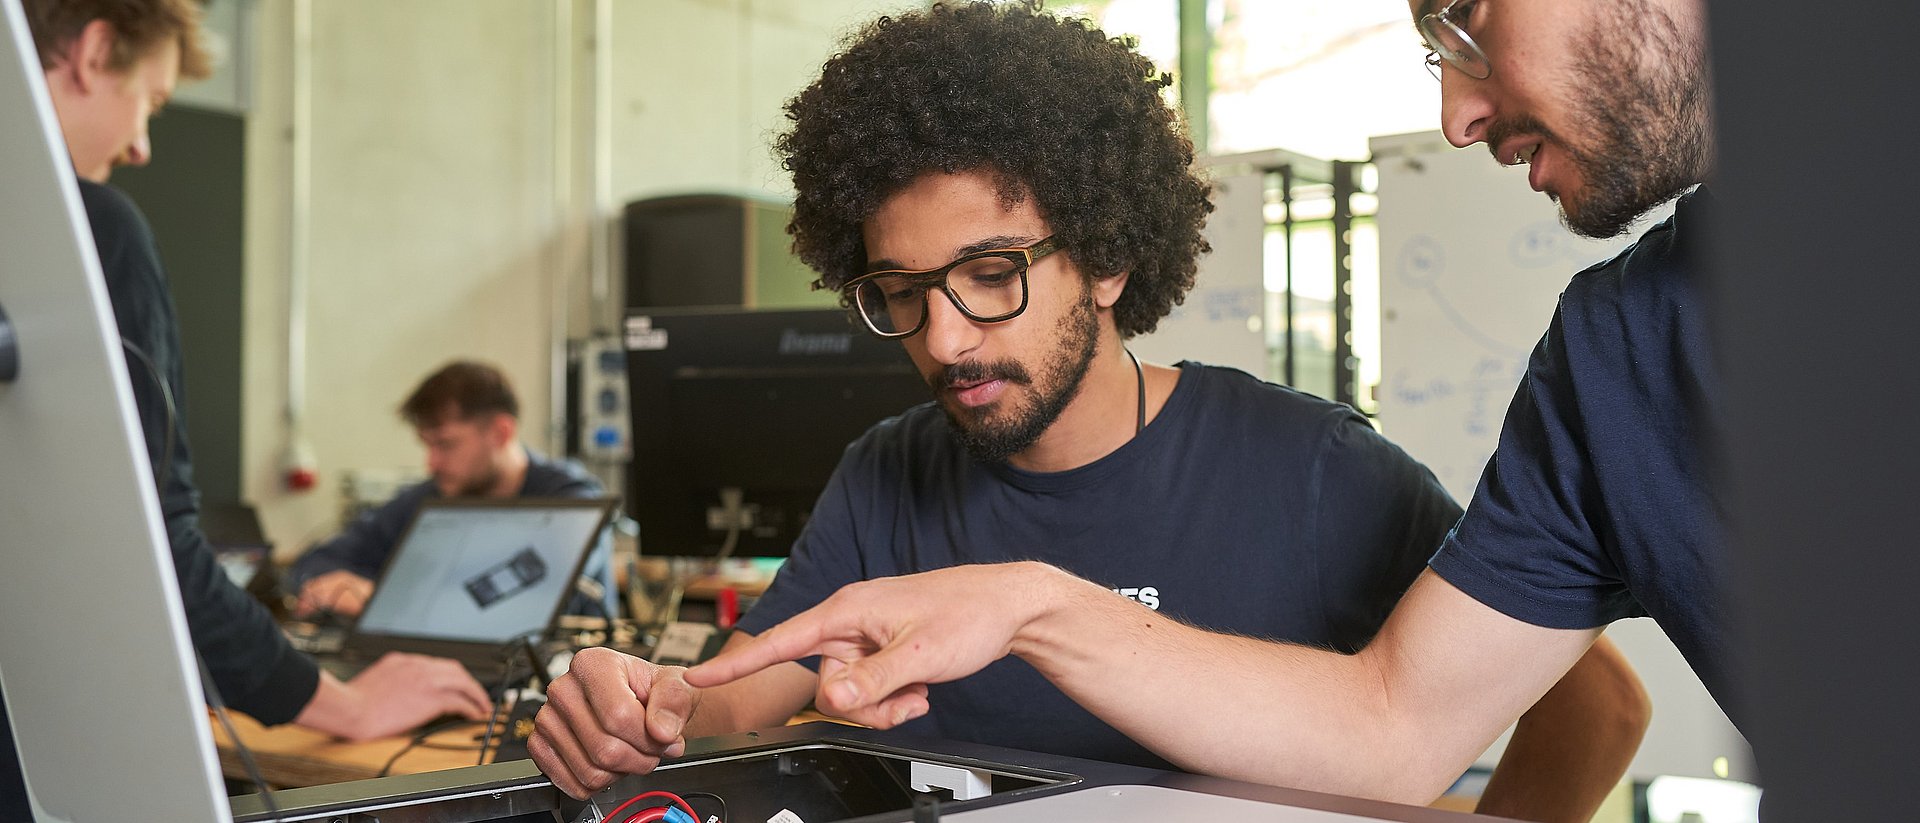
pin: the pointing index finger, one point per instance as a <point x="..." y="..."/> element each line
<point x="802" y="635"/>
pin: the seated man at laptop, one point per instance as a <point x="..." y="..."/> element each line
<point x="467" y="416"/>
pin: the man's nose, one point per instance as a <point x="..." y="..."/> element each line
<point x="138" y="152"/>
<point x="950" y="334"/>
<point x="1465" y="108"/>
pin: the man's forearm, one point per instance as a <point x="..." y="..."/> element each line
<point x="1196" y="697"/>
<point x="1571" y="748"/>
<point x="1377" y="724"/>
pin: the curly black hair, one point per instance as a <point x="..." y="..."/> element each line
<point x="1052" y="107"/>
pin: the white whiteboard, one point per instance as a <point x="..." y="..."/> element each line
<point x="1472" y="262"/>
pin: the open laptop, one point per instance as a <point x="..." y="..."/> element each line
<point x="472" y="578"/>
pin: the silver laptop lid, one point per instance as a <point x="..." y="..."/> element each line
<point x="482" y="571"/>
<point x="95" y="665"/>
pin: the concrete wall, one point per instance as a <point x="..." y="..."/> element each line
<point x="455" y="188"/>
<point x="432" y="214"/>
<point x="699" y="85"/>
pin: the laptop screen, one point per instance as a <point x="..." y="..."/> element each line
<point x="483" y="571"/>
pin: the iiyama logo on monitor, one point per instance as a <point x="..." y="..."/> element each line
<point x="795" y="341"/>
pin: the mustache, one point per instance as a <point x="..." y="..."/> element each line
<point x="974" y="371"/>
<point x="1499" y="132"/>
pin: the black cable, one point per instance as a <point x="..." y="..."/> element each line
<point x="507" y="652"/>
<point x="448" y="747"/>
<point x="1140" y="393"/>
<point x="486" y="740"/>
<point x="418" y="738"/>
<point x="212" y="693"/>
<point x="419" y="741"/>
<point x="539" y="666"/>
<point x="162" y="470"/>
<point x="716" y="798"/>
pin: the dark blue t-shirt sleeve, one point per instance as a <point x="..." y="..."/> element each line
<point x="825" y="557"/>
<point x="1378" y="515"/>
<point x="559" y="478"/>
<point x="253" y="666"/>
<point x="364" y="545"/>
<point x="1527" y="545"/>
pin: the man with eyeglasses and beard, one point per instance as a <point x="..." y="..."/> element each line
<point x="1597" y="505"/>
<point x="1009" y="196"/>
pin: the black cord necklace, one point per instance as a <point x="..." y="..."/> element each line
<point x="1140" y="395"/>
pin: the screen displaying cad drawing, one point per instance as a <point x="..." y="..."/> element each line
<point x="514" y="576"/>
<point x="480" y="574"/>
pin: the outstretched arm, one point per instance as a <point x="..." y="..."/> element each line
<point x="1398" y="721"/>
<point x="1571" y="748"/>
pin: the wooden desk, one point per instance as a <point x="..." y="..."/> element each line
<point x="708" y="586"/>
<point x="290" y="756"/>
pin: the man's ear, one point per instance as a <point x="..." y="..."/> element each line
<point x="88" y="58"/>
<point x="504" y="429"/>
<point x="1107" y="290"/>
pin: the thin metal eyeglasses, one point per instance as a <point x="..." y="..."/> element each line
<point x="1445" y="32"/>
<point x="987" y="286"/>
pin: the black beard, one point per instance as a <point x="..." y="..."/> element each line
<point x="994" y="442"/>
<point x="1650" y="125"/>
<point x="480" y="486"/>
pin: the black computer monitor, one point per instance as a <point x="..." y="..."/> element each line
<point x="740" y="416"/>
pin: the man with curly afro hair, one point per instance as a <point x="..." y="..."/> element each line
<point x="1008" y="194"/>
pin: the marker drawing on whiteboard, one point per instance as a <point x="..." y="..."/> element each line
<point x="1422" y="261"/>
<point x="1541" y="245"/>
<point x="1232" y="304"/>
<point x="1485" y="388"/>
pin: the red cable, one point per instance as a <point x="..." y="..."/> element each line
<point x="648" y="815"/>
<point x="669" y="796"/>
<point x="727" y="603"/>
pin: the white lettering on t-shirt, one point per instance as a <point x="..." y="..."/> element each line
<point x="1147" y="596"/>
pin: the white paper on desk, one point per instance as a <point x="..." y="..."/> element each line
<point x="682" y="641"/>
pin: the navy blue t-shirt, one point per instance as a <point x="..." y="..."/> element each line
<point x="1597" y="504"/>
<point x="1243" y="507"/>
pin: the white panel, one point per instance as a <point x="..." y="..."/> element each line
<point x="103" y="695"/>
